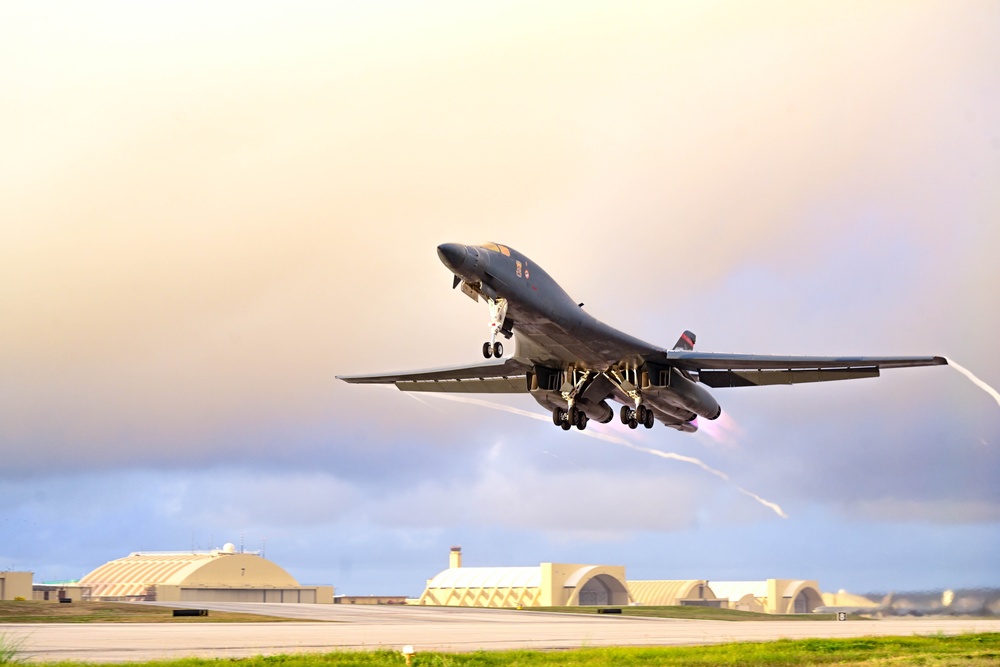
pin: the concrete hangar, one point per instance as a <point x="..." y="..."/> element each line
<point x="225" y="575"/>
<point x="220" y="575"/>
<point x="562" y="584"/>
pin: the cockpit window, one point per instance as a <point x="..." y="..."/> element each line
<point x="503" y="250"/>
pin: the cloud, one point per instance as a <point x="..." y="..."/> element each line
<point x="936" y="511"/>
<point x="588" y="504"/>
<point x="208" y="214"/>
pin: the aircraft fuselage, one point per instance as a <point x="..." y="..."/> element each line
<point x="572" y="364"/>
<point x="548" y="326"/>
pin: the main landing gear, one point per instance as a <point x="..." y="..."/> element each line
<point x="567" y="419"/>
<point x="627" y="381"/>
<point x="641" y="415"/>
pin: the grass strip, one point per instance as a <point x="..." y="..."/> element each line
<point x="694" y="613"/>
<point x="975" y="650"/>
<point x="37" y="611"/>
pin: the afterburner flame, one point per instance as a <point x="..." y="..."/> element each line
<point x="723" y="431"/>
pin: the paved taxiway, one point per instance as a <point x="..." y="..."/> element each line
<point x="321" y="628"/>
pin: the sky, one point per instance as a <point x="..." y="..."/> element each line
<point x="210" y="210"/>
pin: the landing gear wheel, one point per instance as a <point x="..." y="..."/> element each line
<point x="487" y="350"/>
<point x="573" y="416"/>
<point x="640" y="414"/>
<point x="557" y="416"/>
<point x="625" y="414"/>
<point x="581" y="421"/>
<point x="632" y="423"/>
<point x="497" y="349"/>
<point x="566" y="425"/>
<point x="649" y="419"/>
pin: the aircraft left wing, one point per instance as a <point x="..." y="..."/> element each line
<point x="750" y="370"/>
<point x="497" y="376"/>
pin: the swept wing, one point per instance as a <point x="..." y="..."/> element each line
<point x="497" y="376"/>
<point x="573" y="364"/>
<point x="749" y="370"/>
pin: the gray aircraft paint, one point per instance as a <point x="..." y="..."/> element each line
<point x="572" y="363"/>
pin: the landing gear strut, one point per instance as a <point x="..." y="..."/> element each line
<point x="498" y="313"/>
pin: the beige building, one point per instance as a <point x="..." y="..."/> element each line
<point x="61" y="590"/>
<point x="773" y="596"/>
<point x="547" y="585"/>
<point x="844" y="599"/>
<point x="15" y="585"/>
<point x="221" y="575"/>
<point x="672" y="593"/>
<point x="566" y="585"/>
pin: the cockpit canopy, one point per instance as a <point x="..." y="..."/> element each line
<point x="495" y="247"/>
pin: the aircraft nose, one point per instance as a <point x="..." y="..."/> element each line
<point x="452" y="255"/>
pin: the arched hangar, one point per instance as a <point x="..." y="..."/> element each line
<point x="220" y="575"/>
<point x="547" y="585"/>
<point x="772" y="596"/>
<point x="669" y="593"/>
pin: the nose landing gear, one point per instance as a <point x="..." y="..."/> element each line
<point x="494" y="349"/>
<point x="498" y="313"/>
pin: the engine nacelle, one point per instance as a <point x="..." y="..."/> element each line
<point x="694" y="397"/>
<point x="686" y="427"/>
<point x="668" y="406"/>
<point x="673" y="386"/>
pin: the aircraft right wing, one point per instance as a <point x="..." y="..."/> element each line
<point x="497" y="376"/>
<point x="750" y="370"/>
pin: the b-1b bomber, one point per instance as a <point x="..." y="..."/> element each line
<point x="573" y="364"/>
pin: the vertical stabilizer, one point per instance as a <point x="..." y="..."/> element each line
<point x="686" y="341"/>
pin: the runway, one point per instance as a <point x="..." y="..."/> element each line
<point x="324" y="628"/>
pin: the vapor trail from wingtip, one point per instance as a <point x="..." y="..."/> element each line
<point x="775" y="507"/>
<point x="976" y="381"/>
<point x="607" y="437"/>
<point x="690" y="459"/>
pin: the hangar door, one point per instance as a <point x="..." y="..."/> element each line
<point x="603" y="589"/>
<point x="807" y="600"/>
<point x="300" y="595"/>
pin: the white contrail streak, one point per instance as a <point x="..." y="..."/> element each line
<point x="976" y="381"/>
<point x="607" y="437"/>
<point x="766" y="503"/>
<point x="489" y="404"/>
<point x="423" y="402"/>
